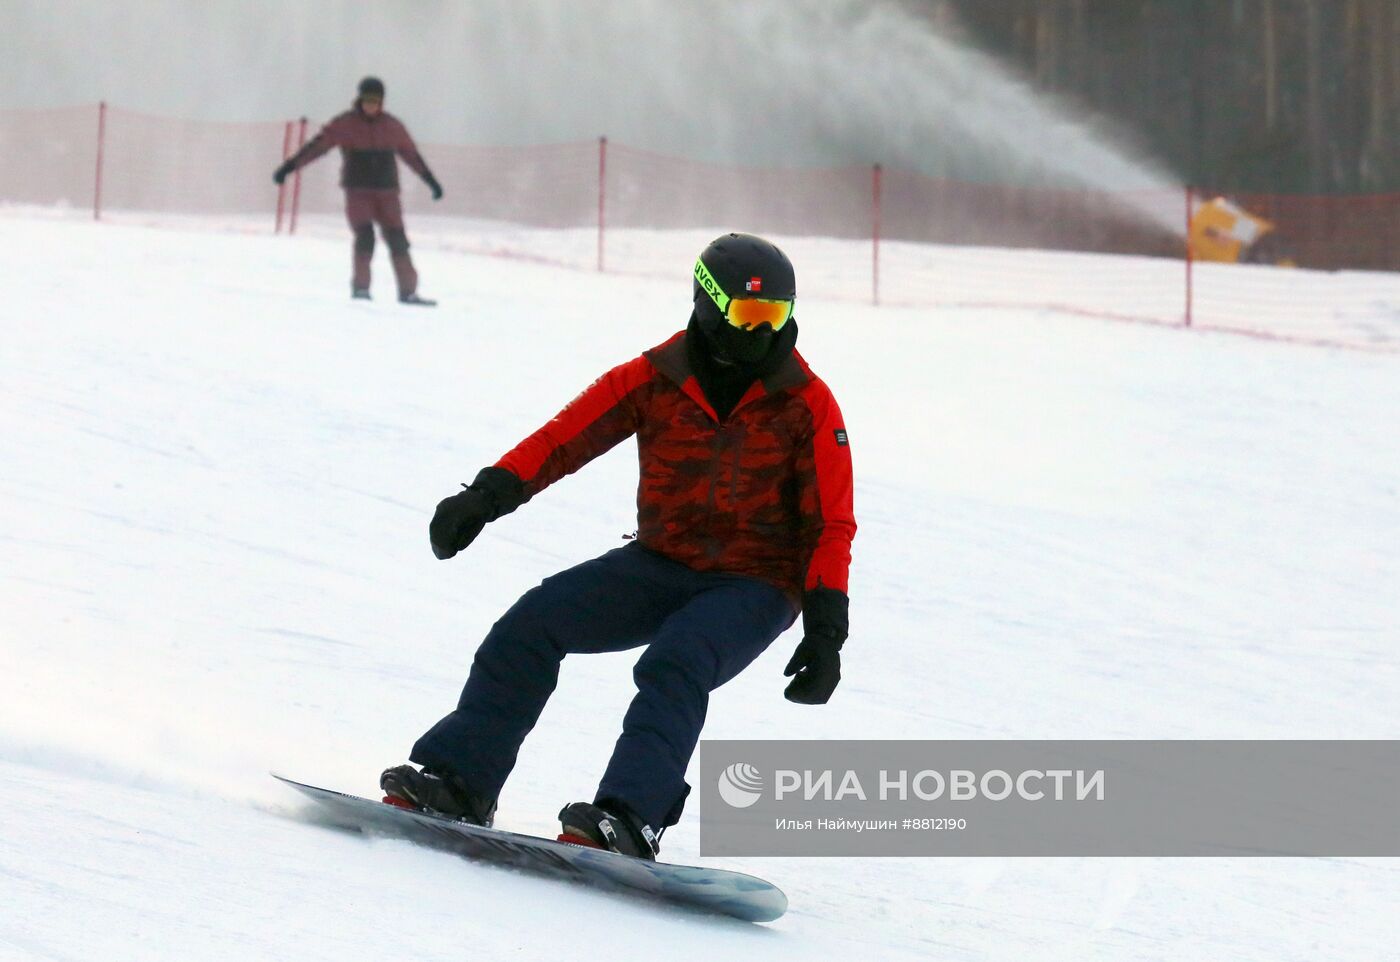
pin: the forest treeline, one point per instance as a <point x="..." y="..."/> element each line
<point x="1249" y="96"/>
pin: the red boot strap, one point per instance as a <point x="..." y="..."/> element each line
<point x="400" y="802"/>
<point x="572" y="839"/>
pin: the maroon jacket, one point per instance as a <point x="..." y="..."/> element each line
<point x="367" y="147"/>
<point x="767" y="492"/>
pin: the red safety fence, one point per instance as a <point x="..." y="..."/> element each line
<point x="858" y="233"/>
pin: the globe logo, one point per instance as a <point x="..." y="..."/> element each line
<point x="740" y="785"/>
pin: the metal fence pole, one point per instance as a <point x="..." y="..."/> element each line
<point x="875" y="178"/>
<point x="101" y="155"/>
<point x="282" y="187"/>
<point x="602" y="193"/>
<point x="296" y="178"/>
<point x="1190" y="256"/>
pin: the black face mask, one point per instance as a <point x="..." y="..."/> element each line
<point x="734" y="346"/>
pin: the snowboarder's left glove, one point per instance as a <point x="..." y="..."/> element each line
<point x="280" y="174"/>
<point x="460" y="518"/>
<point x="435" y="187"/>
<point x="817" y="661"/>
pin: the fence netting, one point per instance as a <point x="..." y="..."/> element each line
<point x="1323" y="269"/>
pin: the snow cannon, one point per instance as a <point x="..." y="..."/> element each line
<point x="1224" y="232"/>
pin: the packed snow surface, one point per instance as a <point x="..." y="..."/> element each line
<point x="216" y="473"/>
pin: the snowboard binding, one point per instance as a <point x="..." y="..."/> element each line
<point x="440" y="794"/>
<point x="615" y="828"/>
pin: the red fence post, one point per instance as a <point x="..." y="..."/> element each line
<point x="602" y="193"/>
<point x="875" y="236"/>
<point x="101" y="151"/>
<point x="1190" y="256"/>
<point x="282" y="187"/>
<point x="296" y="178"/>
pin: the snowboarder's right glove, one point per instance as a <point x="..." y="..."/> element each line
<point x="460" y="518"/>
<point x="434" y="186"/>
<point x="280" y="174"/>
<point x="817" y="660"/>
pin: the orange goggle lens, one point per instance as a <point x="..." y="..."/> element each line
<point x="750" y="312"/>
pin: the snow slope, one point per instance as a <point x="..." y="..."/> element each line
<point x="215" y="479"/>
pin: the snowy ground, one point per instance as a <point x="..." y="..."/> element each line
<point x="1355" y="309"/>
<point x="215" y="478"/>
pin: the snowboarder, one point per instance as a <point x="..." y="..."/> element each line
<point x="368" y="137"/>
<point x="744" y="518"/>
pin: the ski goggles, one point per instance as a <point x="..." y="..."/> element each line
<point x="745" y="313"/>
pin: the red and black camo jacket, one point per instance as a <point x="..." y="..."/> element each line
<point x="767" y="492"/>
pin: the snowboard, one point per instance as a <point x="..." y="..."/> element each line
<point x="715" y="890"/>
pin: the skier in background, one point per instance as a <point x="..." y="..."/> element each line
<point x="744" y="518"/>
<point x="368" y="137"/>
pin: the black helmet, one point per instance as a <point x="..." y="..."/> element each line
<point x="740" y="267"/>
<point x="745" y="265"/>
<point x="372" y="87"/>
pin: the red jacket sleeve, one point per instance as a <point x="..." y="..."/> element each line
<point x="408" y="150"/>
<point x="329" y="136"/>
<point x="827" y="492"/>
<point x="606" y="413"/>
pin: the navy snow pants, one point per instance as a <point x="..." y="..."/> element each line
<point x="700" y="630"/>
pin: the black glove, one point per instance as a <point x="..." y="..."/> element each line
<point x="280" y="174"/>
<point x="817" y="661"/>
<point x="460" y="518"/>
<point x="435" y="187"/>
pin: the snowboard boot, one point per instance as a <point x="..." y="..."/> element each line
<point x="436" y="792"/>
<point x="609" y="825"/>
<point x="359" y="293"/>
<point x="416" y="300"/>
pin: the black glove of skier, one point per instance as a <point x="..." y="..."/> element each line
<point x="817" y="661"/>
<point x="434" y="186"/>
<point x="280" y="174"/>
<point x="460" y="518"/>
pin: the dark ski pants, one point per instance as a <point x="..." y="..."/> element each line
<point x="700" y="630"/>
<point x="365" y="207"/>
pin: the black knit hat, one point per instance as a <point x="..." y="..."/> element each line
<point x="372" y="87"/>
